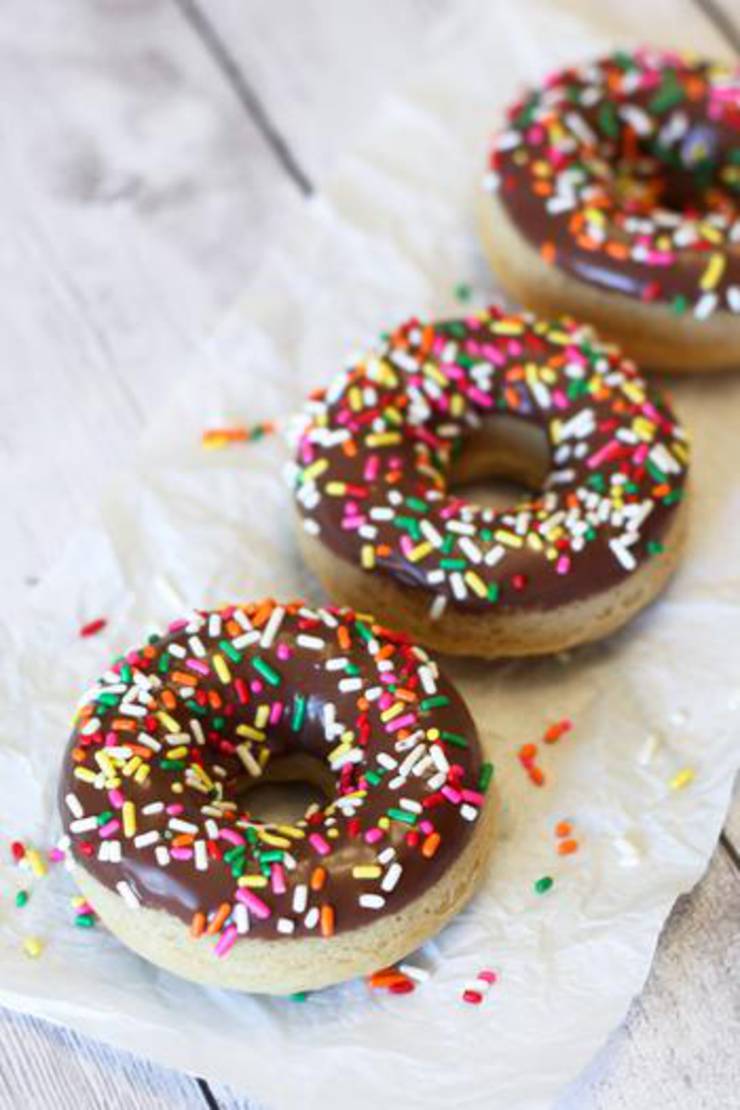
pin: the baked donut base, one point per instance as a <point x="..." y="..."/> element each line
<point x="292" y="964"/>
<point x="652" y="334"/>
<point x="497" y="633"/>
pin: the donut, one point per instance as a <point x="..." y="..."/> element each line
<point x="612" y="195"/>
<point x="166" y="747"/>
<point x="380" y="453"/>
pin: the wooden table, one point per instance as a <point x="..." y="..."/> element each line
<point x="147" y="149"/>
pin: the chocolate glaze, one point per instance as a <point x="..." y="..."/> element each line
<point x="683" y="167"/>
<point x="208" y="717"/>
<point x="431" y="386"/>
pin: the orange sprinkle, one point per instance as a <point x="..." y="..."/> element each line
<point x="537" y="776"/>
<point x="198" y="924"/>
<point x="563" y="828"/>
<point x="343" y="637"/>
<point x="548" y="252"/>
<point x="318" y="878"/>
<point x="430" y="845"/>
<point x="567" y="847"/>
<point x="221" y="914"/>
<point x="327" y="920"/>
<point x="527" y="751"/>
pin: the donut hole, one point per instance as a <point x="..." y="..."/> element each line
<point x="290" y="785"/>
<point x="501" y="463"/>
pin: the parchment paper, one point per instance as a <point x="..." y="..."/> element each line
<point x="392" y="235"/>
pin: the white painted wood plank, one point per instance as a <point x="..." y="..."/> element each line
<point x="136" y="197"/>
<point x="679" y="1044"/>
<point x="47" y="1067"/>
<point x="323" y="65"/>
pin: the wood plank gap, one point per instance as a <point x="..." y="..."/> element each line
<point x="208" y="1096"/>
<point x="722" y="22"/>
<point x="244" y="93"/>
<point x="731" y="850"/>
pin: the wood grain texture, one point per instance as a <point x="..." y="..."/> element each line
<point x="135" y="199"/>
<point x="44" y="1065"/>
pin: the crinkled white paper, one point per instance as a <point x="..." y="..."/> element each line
<point x="392" y="236"/>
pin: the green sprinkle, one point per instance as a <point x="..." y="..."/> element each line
<point x="655" y="471"/>
<point x="219" y="723"/>
<point x="298" y="996"/>
<point x="679" y="304"/>
<point x="273" y="856"/>
<point x="453" y="564"/>
<point x="268" y="673"/>
<point x="125" y="673"/>
<point x="668" y="95"/>
<point x="364" y="631"/>
<point x="673" y="497"/>
<point x="408" y="524"/>
<point x="434" y="703"/>
<point x="84" y="921"/>
<point x="164" y="663"/>
<point x="21" y="899"/>
<point x="372" y="777"/>
<point x="198" y="710"/>
<point x="655" y="547"/>
<point x="544" y="884"/>
<point x="299" y="713"/>
<point x="172" y="764"/>
<point x="494" y="591"/>
<point x="462" y="291"/>
<point x="107" y="699"/>
<point x="251" y="834"/>
<point x="235" y="852"/>
<point x="455" y="739"/>
<point x="402" y="815"/>
<point x="104" y="817"/>
<point x="608" y="121"/>
<point x="485" y="776"/>
<point x="417" y="504"/>
<point x="229" y="649"/>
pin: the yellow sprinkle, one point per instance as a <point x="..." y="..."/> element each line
<point x="435" y="373"/>
<point x="249" y="732"/>
<point x="314" y="470"/>
<point x="177" y="753"/>
<point x="682" y="778"/>
<point x="270" y="838"/>
<point x="369" y="871"/>
<point x="433" y="734"/>
<point x="715" y="268"/>
<point x="142" y="774"/>
<point x="129" y="819"/>
<point x="36" y="863"/>
<point x="416" y="554"/>
<point x="262" y="715"/>
<point x="336" y="489"/>
<point x="133" y="764"/>
<point x="384" y="823"/>
<point x="169" y="722"/>
<point x="221" y="668"/>
<point x="644" y="429"/>
<point x="476" y="583"/>
<point x="291" y="830"/>
<point x="355" y="398"/>
<point x="33" y="947"/>
<point x="85" y="774"/>
<point x="252" y="881"/>
<point x="509" y="539"/>
<point x="382" y="439"/>
<point x="393" y="711"/>
<point x="507" y="327"/>
<point x="367" y="556"/>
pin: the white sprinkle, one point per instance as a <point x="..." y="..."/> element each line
<point x="391" y="877"/>
<point x="350" y="685"/>
<point x="285" y="925"/>
<point x="468" y="812"/>
<point x="313" y="643"/>
<point x="300" y="898"/>
<point x="200" y="854"/>
<point x="162" y="855"/>
<point x="648" y="750"/>
<point x="420" y="974"/>
<point x="196" y="646"/>
<point x="143" y="840"/>
<point x="83" y="824"/>
<point x="73" y="805"/>
<point x="705" y="306"/>
<point x="272" y="627"/>
<point x="128" y="894"/>
<point x="152" y="807"/>
<point x="178" y="825"/>
<point x="372" y="901"/>
<point x="623" y="554"/>
<point x="311" y="919"/>
<point x="437" y="607"/>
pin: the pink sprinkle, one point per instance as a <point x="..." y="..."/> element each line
<point x="253" y="903"/>
<point x="451" y="794"/>
<point x="473" y="796"/>
<point x="56" y="855"/>
<point x="562" y="566"/>
<point x="116" y="798"/>
<point x="175" y="809"/>
<point x="181" y="853"/>
<point x="109" y="828"/>
<point x="276" y="712"/>
<point x="226" y="941"/>
<point x="197" y="665"/>
<point x="400" y="722"/>
<point x="372" y="836"/>
<point x="231" y="835"/>
<point x="283" y="652"/>
<point x="277" y="878"/>
<point x="319" y="845"/>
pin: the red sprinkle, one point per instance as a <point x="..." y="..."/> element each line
<point x="93" y="627"/>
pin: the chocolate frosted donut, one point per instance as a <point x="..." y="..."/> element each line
<point x="155" y="799"/>
<point x="381" y="451"/>
<point x="612" y="194"/>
